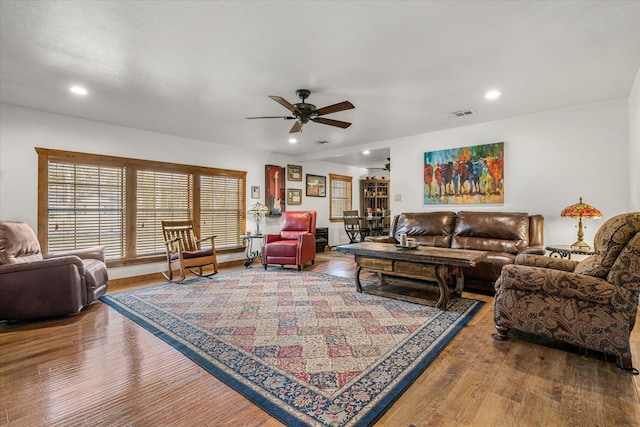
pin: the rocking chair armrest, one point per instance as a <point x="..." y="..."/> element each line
<point x="206" y="238"/>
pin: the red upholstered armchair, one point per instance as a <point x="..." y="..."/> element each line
<point x="296" y="243"/>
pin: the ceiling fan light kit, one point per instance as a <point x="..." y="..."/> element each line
<point x="303" y="112"/>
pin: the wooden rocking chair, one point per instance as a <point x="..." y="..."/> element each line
<point x="185" y="252"/>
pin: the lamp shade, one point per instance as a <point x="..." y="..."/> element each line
<point x="580" y="210"/>
<point x="258" y="208"/>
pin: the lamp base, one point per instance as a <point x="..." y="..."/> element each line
<point x="581" y="245"/>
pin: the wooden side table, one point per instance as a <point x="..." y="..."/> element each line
<point x="252" y="254"/>
<point x="565" y="251"/>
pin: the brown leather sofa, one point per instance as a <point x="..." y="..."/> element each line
<point x="503" y="235"/>
<point x="34" y="285"/>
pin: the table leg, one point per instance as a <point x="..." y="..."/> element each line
<point x="442" y="273"/>
<point x="459" y="283"/>
<point x="357" y="277"/>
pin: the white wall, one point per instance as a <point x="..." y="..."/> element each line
<point x="634" y="144"/>
<point x="551" y="159"/>
<point x="23" y="129"/>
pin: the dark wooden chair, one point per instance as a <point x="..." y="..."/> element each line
<point x="352" y="226"/>
<point x="378" y="225"/>
<point x="184" y="250"/>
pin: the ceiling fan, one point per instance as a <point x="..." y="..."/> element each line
<point x="303" y="112"/>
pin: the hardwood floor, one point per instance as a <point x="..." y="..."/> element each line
<point x="99" y="368"/>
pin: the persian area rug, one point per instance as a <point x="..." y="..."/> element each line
<point x="304" y="346"/>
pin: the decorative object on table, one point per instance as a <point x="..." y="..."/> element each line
<point x="581" y="210"/>
<point x="294" y="196"/>
<point x="367" y="367"/>
<point x="274" y="189"/>
<point x="257" y="212"/>
<point x="464" y="175"/>
<point x="303" y="112"/>
<point x="316" y="186"/>
<point x="294" y="173"/>
<point x="255" y="191"/>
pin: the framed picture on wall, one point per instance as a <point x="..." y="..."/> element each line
<point x="465" y="175"/>
<point x="294" y="173"/>
<point x="294" y="196"/>
<point x="255" y="191"/>
<point x="316" y="186"/>
<point x="274" y="189"/>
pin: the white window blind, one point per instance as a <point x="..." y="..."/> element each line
<point x="85" y="207"/>
<point x="340" y="195"/>
<point x="222" y="209"/>
<point x="160" y="196"/>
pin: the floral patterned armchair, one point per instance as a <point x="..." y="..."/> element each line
<point x="592" y="303"/>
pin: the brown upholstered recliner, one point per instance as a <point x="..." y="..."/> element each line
<point x="592" y="303"/>
<point x="296" y="243"/>
<point x="35" y="285"/>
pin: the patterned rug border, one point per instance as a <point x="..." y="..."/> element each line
<point x="376" y="407"/>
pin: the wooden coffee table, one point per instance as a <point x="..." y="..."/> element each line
<point x="425" y="263"/>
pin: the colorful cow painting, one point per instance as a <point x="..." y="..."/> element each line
<point x="465" y="175"/>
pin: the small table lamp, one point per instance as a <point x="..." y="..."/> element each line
<point x="580" y="210"/>
<point x="258" y="211"/>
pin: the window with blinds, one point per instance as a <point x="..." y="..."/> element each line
<point x="160" y="196"/>
<point x="340" y="197"/>
<point x="220" y="200"/>
<point x="87" y="199"/>
<point x="85" y="207"/>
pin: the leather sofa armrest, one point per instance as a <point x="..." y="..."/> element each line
<point x="534" y="250"/>
<point x="94" y="252"/>
<point x="566" y="285"/>
<point x="380" y="239"/>
<point x="268" y="238"/>
<point x="546" y="262"/>
<point x="43" y="264"/>
<point x="307" y="239"/>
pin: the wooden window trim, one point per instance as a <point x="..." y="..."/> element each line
<point x="344" y="178"/>
<point x="131" y="166"/>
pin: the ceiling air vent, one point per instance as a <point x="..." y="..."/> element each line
<point x="322" y="142"/>
<point x="461" y="113"/>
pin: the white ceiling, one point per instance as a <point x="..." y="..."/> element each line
<point x="197" y="68"/>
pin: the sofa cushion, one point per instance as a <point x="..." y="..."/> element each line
<point x="427" y="228"/>
<point x="18" y="243"/>
<point x="294" y="224"/>
<point x="491" y="231"/>
<point x="626" y="268"/>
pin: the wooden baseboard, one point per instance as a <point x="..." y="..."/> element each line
<point x="151" y="277"/>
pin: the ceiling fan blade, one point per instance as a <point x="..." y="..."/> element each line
<point x="331" y="122"/>
<point x="286" y="104"/>
<point x="341" y="106"/>
<point x="297" y="127"/>
<point x="272" y="117"/>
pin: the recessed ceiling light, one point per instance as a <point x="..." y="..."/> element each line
<point x="78" y="90"/>
<point x="366" y="152"/>
<point x="292" y="140"/>
<point x="492" y="94"/>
